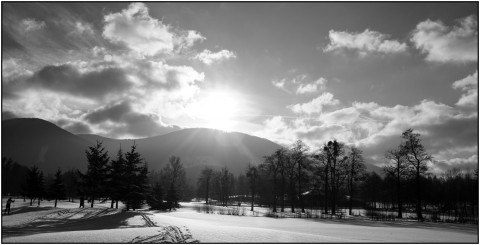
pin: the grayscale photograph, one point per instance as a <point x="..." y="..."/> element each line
<point x="239" y="122"/>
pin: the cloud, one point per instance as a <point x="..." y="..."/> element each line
<point x="364" y="43"/>
<point x="68" y="78"/>
<point x="375" y="128"/>
<point x="77" y="128"/>
<point x="148" y="36"/>
<point x="316" y="105"/>
<point x="319" y="84"/>
<point x="469" y="85"/>
<point x="8" y="115"/>
<point x="188" y="38"/>
<point x="208" y="57"/>
<point x="138" y="31"/>
<point x="32" y="25"/>
<point x="444" y="44"/>
<point x="13" y="69"/>
<point x="120" y="120"/>
<point x="83" y="28"/>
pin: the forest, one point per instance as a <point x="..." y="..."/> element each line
<point x="331" y="181"/>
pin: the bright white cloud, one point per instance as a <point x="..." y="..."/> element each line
<point x="33" y="25"/>
<point x="316" y="105"/>
<point x="318" y="85"/>
<point x="188" y="38"/>
<point x="208" y="57"/>
<point x="442" y="43"/>
<point x="13" y="69"/>
<point x="138" y="31"/>
<point x="375" y="128"/>
<point x="364" y="43"/>
<point x="469" y="85"/>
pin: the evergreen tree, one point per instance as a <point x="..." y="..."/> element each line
<point x="57" y="188"/>
<point x="40" y="188"/>
<point x="96" y="174"/>
<point x="134" y="179"/>
<point x="32" y="183"/>
<point x="155" y="197"/>
<point x="71" y="182"/>
<point x="116" y="174"/>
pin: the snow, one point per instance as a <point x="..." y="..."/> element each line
<point x="69" y="224"/>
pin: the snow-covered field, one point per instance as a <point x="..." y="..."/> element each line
<point x="69" y="224"/>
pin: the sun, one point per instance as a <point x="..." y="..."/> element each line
<point x="217" y="109"/>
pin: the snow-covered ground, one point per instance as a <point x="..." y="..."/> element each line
<point x="69" y="224"/>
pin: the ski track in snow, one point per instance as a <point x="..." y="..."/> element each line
<point x="70" y="224"/>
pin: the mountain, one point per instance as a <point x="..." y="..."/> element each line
<point x="197" y="148"/>
<point x="32" y="141"/>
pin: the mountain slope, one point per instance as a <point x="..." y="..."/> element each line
<point x="197" y="148"/>
<point x="32" y="141"/>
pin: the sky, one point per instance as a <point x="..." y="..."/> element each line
<point x="361" y="73"/>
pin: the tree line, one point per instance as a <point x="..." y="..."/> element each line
<point x="334" y="178"/>
<point x="125" y="178"/>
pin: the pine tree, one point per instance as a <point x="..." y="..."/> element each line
<point x="155" y="197"/>
<point x="57" y="188"/>
<point x="95" y="177"/>
<point x="40" y="189"/>
<point x="115" y="178"/>
<point x="32" y="183"/>
<point x="134" y="180"/>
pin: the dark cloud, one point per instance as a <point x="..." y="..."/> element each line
<point x="455" y="132"/>
<point x="128" y="122"/>
<point x="113" y="113"/>
<point x="78" y="128"/>
<point x="9" y="43"/>
<point x="67" y="78"/>
<point x="8" y="115"/>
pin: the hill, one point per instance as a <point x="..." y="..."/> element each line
<point x="32" y="141"/>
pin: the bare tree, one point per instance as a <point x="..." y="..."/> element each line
<point x="335" y="153"/>
<point x="356" y="171"/>
<point x="298" y="157"/>
<point x="418" y="157"/>
<point x="204" y="180"/>
<point x="398" y="167"/>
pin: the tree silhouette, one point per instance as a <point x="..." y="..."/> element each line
<point x="356" y="171"/>
<point x="155" y="197"/>
<point x="57" y="188"/>
<point x="205" y="181"/>
<point x="176" y="172"/>
<point x="32" y="184"/>
<point x="252" y="175"/>
<point x="116" y="174"/>
<point x="271" y="167"/>
<point x="134" y="179"/>
<point x="298" y="157"/>
<point x="418" y="157"/>
<point x="95" y="177"/>
<point x="398" y="167"/>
